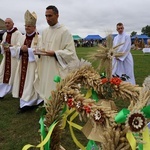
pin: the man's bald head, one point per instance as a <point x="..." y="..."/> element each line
<point x="9" y="23"/>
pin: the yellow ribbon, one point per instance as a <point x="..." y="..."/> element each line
<point x="64" y="118"/>
<point x="71" y="130"/>
<point x="26" y="147"/>
<point x="75" y="125"/>
<point x="131" y="140"/>
<point x="146" y="139"/>
<point x="89" y="93"/>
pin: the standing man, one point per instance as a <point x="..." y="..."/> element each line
<point x="26" y="72"/>
<point x="9" y="61"/>
<point x="124" y="64"/>
<point x="59" y="49"/>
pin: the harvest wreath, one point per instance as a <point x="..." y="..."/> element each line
<point x="112" y="130"/>
<point x="100" y="113"/>
<point x="93" y="98"/>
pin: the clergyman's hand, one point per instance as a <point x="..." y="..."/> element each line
<point x="50" y="53"/>
<point x="117" y="58"/>
<point x="24" y="48"/>
<point x="6" y="49"/>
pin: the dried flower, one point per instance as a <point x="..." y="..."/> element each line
<point x="136" y="121"/>
<point x="79" y="106"/>
<point x="65" y="97"/>
<point x="99" y="116"/>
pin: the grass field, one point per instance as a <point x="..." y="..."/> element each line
<point x="17" y="130"/>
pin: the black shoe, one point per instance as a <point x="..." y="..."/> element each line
<point x="25" y="109"/>
<point x="1" y="97"/>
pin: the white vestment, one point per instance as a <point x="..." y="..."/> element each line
<point x="29" y="96"/>
<point x="5" y="88"/>
<point x="124" y="64"/>
<point x="58" y="39"/>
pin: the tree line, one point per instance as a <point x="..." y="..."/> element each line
<point x="145" y="30"/>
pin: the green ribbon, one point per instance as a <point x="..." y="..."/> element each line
<point x="122" y="115"/>
<point x="146" y="111"/>
<point x="43" y="133"/>
<point x="94" y="95"/>
<point x="57" y="79"/>
<point x="140" y="146"/>
<point x="91" y="145"/>
<point x="64" y="109"/>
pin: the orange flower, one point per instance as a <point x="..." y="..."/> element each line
<point x="104" y="80"/>
<point x="115" y="81"/>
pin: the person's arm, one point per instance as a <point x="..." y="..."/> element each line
<point x="67" y="54"/>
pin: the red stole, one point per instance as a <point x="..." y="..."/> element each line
<point x="7" y="70"/>
<point x="24" y="62"/>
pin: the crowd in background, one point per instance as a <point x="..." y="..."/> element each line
<point x="136" y="44"/>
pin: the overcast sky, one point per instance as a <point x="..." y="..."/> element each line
<point x="83" y="17"/>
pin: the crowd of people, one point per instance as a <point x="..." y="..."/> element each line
<point x="87" y="43"/>
<point x="31" y="61"/>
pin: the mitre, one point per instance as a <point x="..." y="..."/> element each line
<point x="30" y="18"/>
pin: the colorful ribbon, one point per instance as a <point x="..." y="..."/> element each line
<point x="122" y="115"/>
<point x="146" y="139"/>
<point x="71" y="124"/>
<point x="93" y="94"/>
<point x="131" y="140"/>
<point x="91" y="145"/>
<point x="43" y="133"/>
<point x="57" y="79"/>
<point x="146" y="111"/>
<point x="51" y="128"/>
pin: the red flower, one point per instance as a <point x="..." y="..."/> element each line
<point x="104" y="80"/>
<point x="87" y="108"/>
<point x="115" y="81"/>
<point x="70" y="102"/>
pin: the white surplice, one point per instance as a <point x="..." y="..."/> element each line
<point x="29" y="96"/>
<point x="58" y="39"/>
<point x="4" y="87"/>
<point x="124" y="64"/>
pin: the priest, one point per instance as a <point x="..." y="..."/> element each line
<point x="58" y="53"/>
<point x="9" y="62"/>
<point x="26" y="72"/>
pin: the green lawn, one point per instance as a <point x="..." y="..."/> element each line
<point x="17" y="130"/>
